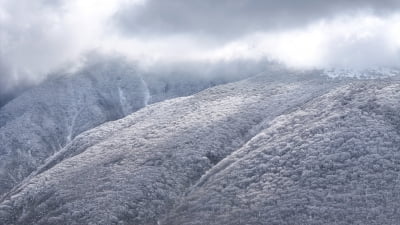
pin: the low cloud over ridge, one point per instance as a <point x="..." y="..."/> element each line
<point x="37" y="37"/>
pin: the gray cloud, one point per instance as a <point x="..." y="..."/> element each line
<point x="34" y="40"/>
<point x="37" y="37"/>
<point x="230" y="19"/>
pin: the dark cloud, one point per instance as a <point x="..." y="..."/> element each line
<point x="228" y="18"/>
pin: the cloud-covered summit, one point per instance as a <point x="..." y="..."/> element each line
<point x="37" y="37"/>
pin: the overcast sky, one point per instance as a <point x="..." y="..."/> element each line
<point x="38" y="36"/>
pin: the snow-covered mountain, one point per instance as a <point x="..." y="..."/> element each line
<point x="277" y="148"/>
<point x="372" y="73"/>
<point x="43" y="120"/>
<point x="133" y="170"/>
<point x="335" y="160"/>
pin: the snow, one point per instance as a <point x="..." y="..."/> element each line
<point x="134" y="170"/>
<point x="147" y="95"/>
<point x="282" y="147"/>
<point x="43" y="120"/>
<point x="372" y="73"/>
<point x="333" y="161"/>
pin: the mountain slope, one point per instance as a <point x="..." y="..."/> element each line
<point x="132" y="171"/>
<point x="43" y="120"/>
<point x="334" y="161"/>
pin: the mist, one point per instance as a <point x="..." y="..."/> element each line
<point x="40" y="37"/>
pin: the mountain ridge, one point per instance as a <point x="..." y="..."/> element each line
<point x="41" y="121"/>
<point x="210" y="157"/>
<point x="262" y="90"/>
